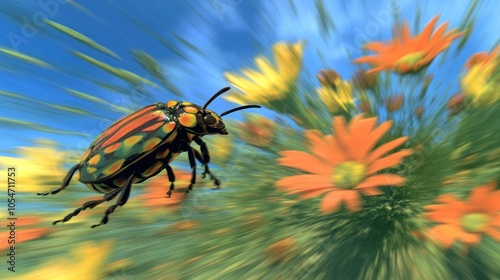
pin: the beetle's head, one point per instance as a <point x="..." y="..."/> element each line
<point x="208" y="122"/>
<point x="212" y="123"/>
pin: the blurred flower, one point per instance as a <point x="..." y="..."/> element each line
<point x="466" y="220"/>
<point x="457" y="103"/>
<point x="394" y="102"/>
<point x="253" y="221"/>
<point x="409" y="54"/>
<point x="220" y="147"/>
<point x="364" y="80"/>
<point x="281" y="251"/>
<point x="86" y="262"/>
<point x="327" y="78"/>
<point x="27" y="228"/>
<point x="222" y="231"/>
<point x="419" y="148"/>
<point x="257" y="130"/>
<point x="419" y="111"/>
<point x="157" y="187"/>
<point x="272" y="82"/>
<point x="338" y="99"/>
<point x="428" y="80"/>
<point x="117" y="266"/>
<point x="40" y="166"/>
<point x="365" y="106"/>
<point x="180" y="226"/>
<point x="481" y="58"/>
<point x="343" y="164"/>
<point x="479" y="81"/>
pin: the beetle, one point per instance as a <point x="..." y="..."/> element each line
<point x="142" y="144"/>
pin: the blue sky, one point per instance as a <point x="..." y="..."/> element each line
<point x="229" y="34"/>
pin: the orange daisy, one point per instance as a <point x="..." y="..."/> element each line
<point x="409" y="54"/>
<point x="344" y="164"/>
<point x="466" y="220"/>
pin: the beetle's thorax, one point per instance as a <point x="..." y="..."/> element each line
<point x="196" y="120"/>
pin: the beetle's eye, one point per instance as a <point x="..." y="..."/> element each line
<point x="210" y="120"/>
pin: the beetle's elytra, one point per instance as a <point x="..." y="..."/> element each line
<point x="142" y="144"/>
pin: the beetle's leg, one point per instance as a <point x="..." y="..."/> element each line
<point x="206" y="160"/>
<point x="198" y="156"/>
<point x="89" y="204"/>
<point x="171" y="178"/>
<point x="65" y="181"/>
<point x="192" y="163"/>
<point x="122" y="199"/>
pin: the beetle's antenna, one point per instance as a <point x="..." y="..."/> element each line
<point x="215" y="96"/>
<point x="239" y="108"/>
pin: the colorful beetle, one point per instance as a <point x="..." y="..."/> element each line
<point x="140" y="145"/>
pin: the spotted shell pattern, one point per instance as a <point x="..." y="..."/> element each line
<point x="143" y="136"/>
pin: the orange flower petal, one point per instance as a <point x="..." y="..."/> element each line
<point x="321" y="147"/>
<point x="381" y="180"/>
<point x="444" y="214"/>
<point x="377" y="69"/>
<point x="405" y="32"/>
<point x="304" y="182"/>
<point x="366" y="59"/>
<point x="332" y="201"/>
<point x="362" y="133"/>
<point x="341" y="134"/>
<point x="440" y="31"/>
<point x="445" y="234"/>
<point x="470" y="238"/>
<point x="496" y="221"/>
<point x="447" y="199"/>
<point x="360" y="129"/>
<point x="352" y="200"/>
<point x="377" y="133"/>
<point x="305" y="162"/>
<point x="370" y="191"/>
<point x="480" y="196"/>
<point x="385" y="148"/>
<point x="375" y="46"/>
<point x="312" y="192"/>
<point x="426" y="33"/>
<point x="338" y="153"/>
<point x="495" y="234"/>
<point x="388" y="161"/>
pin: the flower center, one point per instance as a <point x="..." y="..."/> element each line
<point x="349" y="174"/>
<point x="475" y="222"/>
<point x="410" y="62"/>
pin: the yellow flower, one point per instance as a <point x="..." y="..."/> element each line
<point x="339" y="98"/>
<point x="221" y="147"/>
<point x="39" y="167"/>
<point x="270" y="82"/>
<point x="478" y="82"/>
<point x="86" y="262"/>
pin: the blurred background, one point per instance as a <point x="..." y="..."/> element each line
<point x="375" y="155"/>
